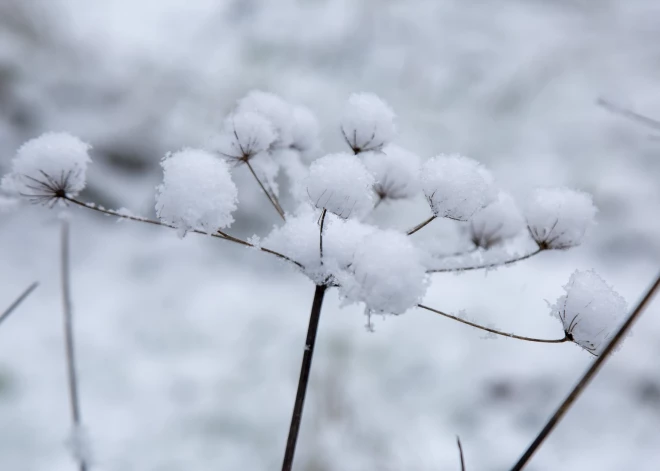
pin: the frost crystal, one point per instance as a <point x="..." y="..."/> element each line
<point x="388" y="274"/>
<point x="341" y="184"/>
<point x="49" y="167"/>
<point x="558" y="218"/>
<point x="368" y="122"/>
<point x="197" y="192"/>
<point x="590" y="311"/>
<point x="496" y="223"/>
<point x="275" y="109"/>
<point x="456" y="187"/>
<point x="396" y="171"/>
<point x="244" y="135"/>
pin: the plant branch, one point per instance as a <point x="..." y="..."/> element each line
<point x="271" y="197"/>
<point x="303" y="381"/>
<point x="69" y="342"/>
<point x="18" y="301"/>
<point x="219" y="234"/>
<point x="494" y="331"/>
<point x="488" y="265"/>
<point x="321" y="235"/>
<point x="586" y="377"/>
<point x="421" y="225"/>
<point x="616" y="109"/>
<point x="460" y="453"/>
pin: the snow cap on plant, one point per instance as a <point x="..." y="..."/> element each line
<point x="558" y="218"/>
<point x="367" y="123"/>
<point x="341" y="184"/>
<point x="456" y="187"/>
<point x="388" y="273"/>
<point x="274" y="109"/>
<point x="49" y="167"/>
<point x="590" y="311"/>
<point x="396" y="171"/>
<point x="304" y="130"/>
<point x="197" y="192"/>
<point x="497" y="222"/>
<point x="244" y="135"/>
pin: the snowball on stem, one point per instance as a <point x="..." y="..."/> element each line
<point x="367" y="123"/>
<point x="244" y="135"/>
<point x="496" y="223"/>
<point x="396" y="171"/>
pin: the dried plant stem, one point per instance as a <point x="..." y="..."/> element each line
<point x="18" y="301"/>
<point x="303" y="381"/>
<point x="421" y="225"/>
<point x="620" y="110"/>
<point x="321" y="235"/>
<point x="69" y="343"/>
<point x="460" y="453"/>
<point x="271" y="197"/>
<point x="586" y="378"/>
<point x="488" y="265"/>
<point x="219" y="234"/>
<point x="493" y="331"/>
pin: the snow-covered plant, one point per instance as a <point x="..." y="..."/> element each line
<point x="325" y="234"/>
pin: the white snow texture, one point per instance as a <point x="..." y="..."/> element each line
<point x="496" y="223"/>
<point x="396" y="171"/>
<point x="197" y="192"/>
<point x="590" y="311"/>
<point x="51" y="162"/>
<point x="367" y="123"/>
<point x="244" y="135"/>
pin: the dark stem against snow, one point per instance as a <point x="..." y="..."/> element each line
<point x="321" y="235"/>
<point x="620" y="110"/>
<point x="487" y="265"/>
<point x="303" y="381"/>
<point x="460" y="453"/>
<point x="586" y="377"/>
<point x="69" y="342"/>
<point x="421" y="225"/>
<point x="219" y="234"/>
<point x="271" y="197"/>
<point x="18" y="301"/>
<point x="494" y="331"/>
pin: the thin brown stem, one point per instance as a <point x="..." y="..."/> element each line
<point x="494" y="331"/>
<point x="586" y="377"/>
<point x="321" y="235"/>
<point x="69" y="342"/>
<point x="421" y="225"/>
<point x="219" y="234"/>
<point x="303" y="380"/>
<point x="460" y="453"/>
<point x="18" y="301"/>
<point x="488" y="265"/>
<point x="271" y="197"/>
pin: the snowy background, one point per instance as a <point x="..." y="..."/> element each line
<point x="189" y="350"/>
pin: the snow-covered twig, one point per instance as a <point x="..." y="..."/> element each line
<point x="488" y="265"/>
<point x="587" y="376"/>
<point x="269" y="194"/>
<point x="18" y="301"/>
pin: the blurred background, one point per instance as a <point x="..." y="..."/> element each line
<point x="189" y="350"/>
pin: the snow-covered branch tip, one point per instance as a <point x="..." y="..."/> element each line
<point x="17" y="302"/>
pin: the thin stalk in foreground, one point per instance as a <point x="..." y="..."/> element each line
<point x="493" y="331"/>
<point x="219" y="234"/>
<point x="271" y="197"/>
<point x="69" y="343"/>
<point x="460" y="452"/>
<point x="489" y="265"/>
<point x="586" y="378"/>
<point x="18" y="301"/>
<point x="303" y="381"/>
<point x="421" y="225"/>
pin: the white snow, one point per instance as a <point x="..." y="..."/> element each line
<point x="590" y="311"/>
<point x="496" y="223"/>
<point x="244" y="135"/>
<point x="367" y="123"/>
<point x="341" y="184"/>
<point x="456" y="187"/>
<point x="396" y="171"/>
<point x="53" y="162"/>
<point x="275" y="109"/>
<point x="197" y="192"/>
<point x="305" y="130"/>
<point x="559" y="218"/>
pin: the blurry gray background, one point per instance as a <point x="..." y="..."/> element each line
<point x="189" y="349"/>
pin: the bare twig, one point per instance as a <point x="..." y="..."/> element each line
<point x="303" y="381"/>
<point x="421" y="225"/>
<point x="493" y="331"/>
<point x="488" y="265"/>
<point x="321" y="235"/>
<point x="18" y="301"/>
<point x="460" y="452"/>
<point x="219" y="234"/>
<point x="271" y="197"/>
<point x="586" y="377"/>
<point x="620" y="110"/>
<point x="69" y="343"/>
